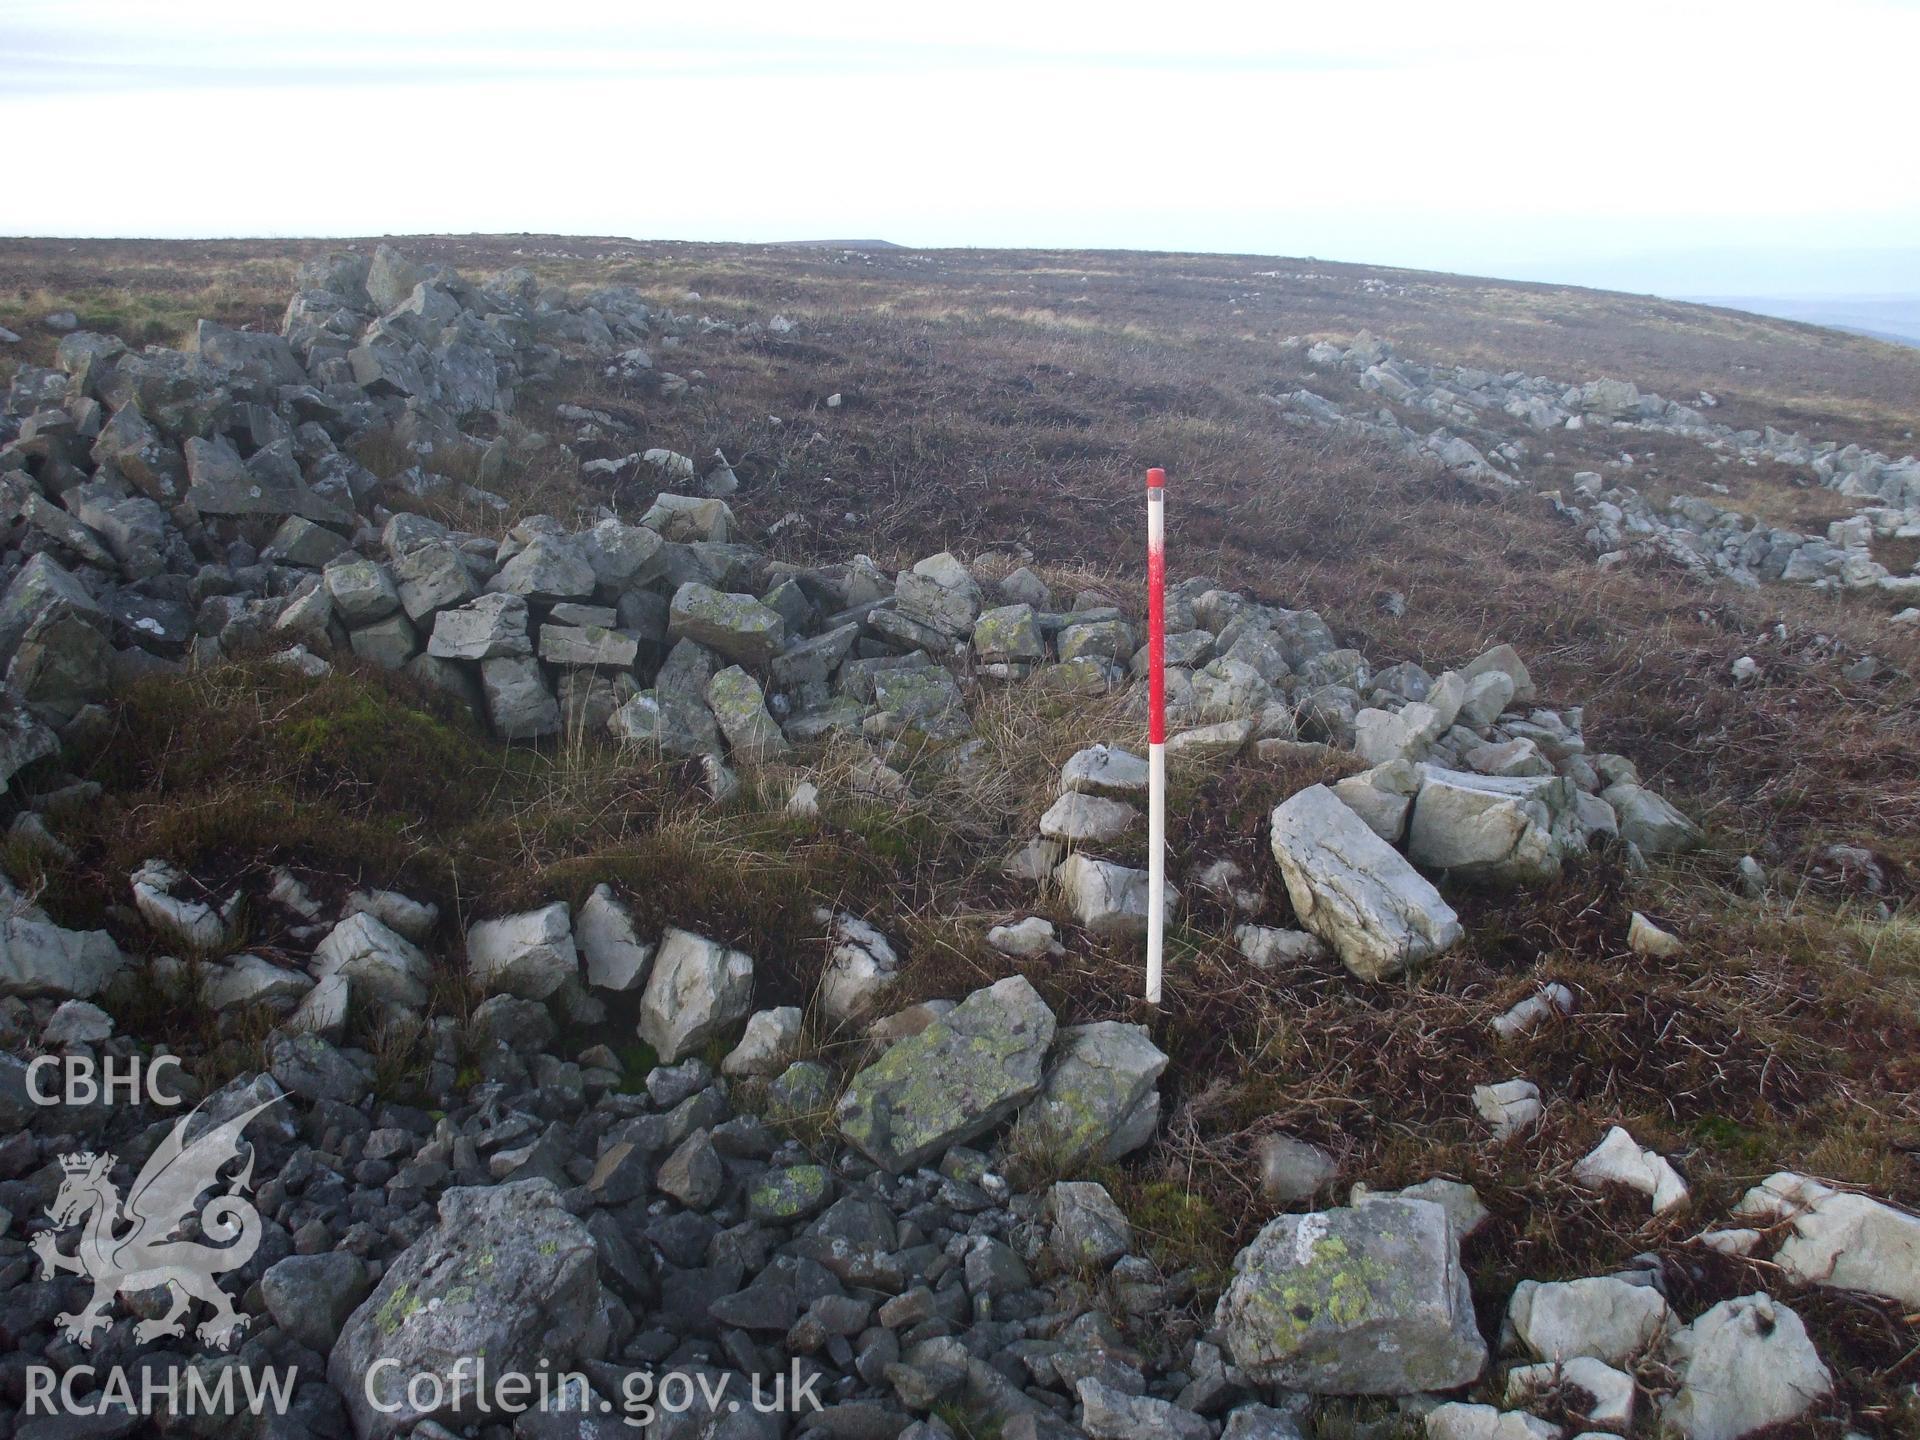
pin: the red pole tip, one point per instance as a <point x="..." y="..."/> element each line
<point x="1156" y="479"/>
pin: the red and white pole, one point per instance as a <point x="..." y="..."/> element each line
<point x="1156" y="728"/>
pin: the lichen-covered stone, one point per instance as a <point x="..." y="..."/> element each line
<point x="798" y="1192"/>
<point x="1370" y="1300"/>
<point x="1009" y="633"/>
<point x="740" y="708"/>
<point x="736" y="626"/>
<point x="507" y="1273"/>
<point x="953" y="1081"/>
<point x="1098" y="1101"/>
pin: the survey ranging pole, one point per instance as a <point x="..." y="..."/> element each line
<point x="1156" y="728"/>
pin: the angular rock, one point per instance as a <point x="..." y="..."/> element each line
<point x="1601" y="1316"/>
<point x="550" y="568"/>
<point x="739" y="707"/>
<point x="955" y="1080"/>
<point x="1103" y="770"/>
<point x="1108" y="899"/>
<point x="1744" y="1366"/>
<point x="1088" y="1229"/>
<point x="737" y="627"/>
<point x="379" y="963"/>
<point x="519" y="704"/>
<point x="507" y="1273"/>
<point x="311" y="1296"/>
<point x="1618" y="1160"/>
<point x="588" y="646"/>
<point x="1292" y="1170"/>
<point x="488" y="628"/>
<point x="38" y="957"/>
<point x="1648" y="821"/>
<point x="1497" y="831"/>
<point x="1110" y="1414"/>
<point x="697" y="990"/>
<point x="1078" y="819"/>
<point x="1838" y="1238"/>
<point x="1370" y="1300"/>
<point x="1009" y="634"/>
<point x="767" y="1045"/>
<point x="603" y="930"/>
<point x="861" y="964"/>
<point x="1354" y="890"/>
<point x="1098" y="1101"/>
<point x="530" y="955"/>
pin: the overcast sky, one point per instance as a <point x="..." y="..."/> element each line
<point x="1703" y="147"/>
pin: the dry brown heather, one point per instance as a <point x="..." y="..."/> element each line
<point x="994" y="398"/>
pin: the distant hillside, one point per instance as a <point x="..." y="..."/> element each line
<point x="839" y="244"/>
<point x="1895" y="318"/>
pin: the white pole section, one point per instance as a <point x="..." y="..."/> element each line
<point x="1156" y="729"/>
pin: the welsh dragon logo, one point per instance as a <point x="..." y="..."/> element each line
<point x="130" y="1246"/>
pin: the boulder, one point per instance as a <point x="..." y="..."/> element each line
<point x="690" y="519"/>
<point x="1382" y="797"/>
<point x="1370" y="1300"/>
<point x="1108" y="899"/>
<point x="1087" y="1227"/>
<point x="1104" y="770"/>
<point x="363" y="591"/>
<point x="180" y="918"/>
<point x="1353" y="890"/>
<point x="403" y="914"/>
<point x="484" y="629"/>
<point x="380" y="964"/>
<point x="38" y="957"/>
<point x="519" y="704"/>
<point x="1270" y="948"/>
<point x="1098" y="1101"/>
<point x="530" y="955"/>
<point x="1607" y="1318"/>
<point x="739" y="707"/>
<point x="1506" y="660"/>
<point x="588" y="647"/>
<point x="953" y="1081"/>
<point x="1492" y="830"/>
<point x="1457" y="1420"/>
<point x="603" y="930"/>
<point x="1110" y="1413"/>
<point x="1077" y="819"/>
<point x="1610" y="1411"/>
<point x="1618" y="1160"/>
<point x="550" y="568"/>
<point x="1510" y="1107"/>
<point x="1744" y="1366"/>
<point x="1009" y="634"/>
<point x="767" y="1045"/>
<point x="698" y="989"/>
<point x="861" y="964"/>
<point x="1291" y="1170"/>
<point x="737" y="627"/>
<point x="388" y="643"/>
<point x="1838" y="1238"/>
<point x="311" y="1297"/>
<point x="1648" y="821"/>
<point x="507" y="1274"/>
<point x="1026" y="939"/>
